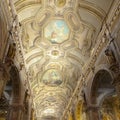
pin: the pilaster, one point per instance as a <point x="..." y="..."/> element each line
<point x="15" y="112"/>
<point x="93" y="113"/>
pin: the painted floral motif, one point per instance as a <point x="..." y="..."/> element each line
<point x="56" y="31"/>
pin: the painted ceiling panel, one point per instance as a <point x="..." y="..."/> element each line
<point x="58" y="37"/>
<point x="28" y="12"/>
<point x="105" y="5"/>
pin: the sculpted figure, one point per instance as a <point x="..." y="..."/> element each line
<point x="110" y="56"/>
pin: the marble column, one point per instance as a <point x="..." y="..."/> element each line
<point x="115" y="69"/>
<point x="15" y="112"/>
<point x="4" y="77"/>
<point x="93" y="113"/>
<point x="115" y="112"/>
<point x="116" y="84"/>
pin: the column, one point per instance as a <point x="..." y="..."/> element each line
<point x="115" y="112"/>
<point x="15" y="112"/>
<point x="4" y="77"/>
<point x="115" y="69"/>
<point x="93" y="113"/>
<point x="116" y="83"/>
<point x="32" y="115"/>
<point x="27" y="106"/>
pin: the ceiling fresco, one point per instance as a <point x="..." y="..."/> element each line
<point x="58" y="38"/>
<point x="56" y="31"/>
<point x="60" y="3"/>
<point x="51" y="77"/>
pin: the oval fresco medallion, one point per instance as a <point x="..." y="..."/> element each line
<point x="60" y="3"/>
<point x="57" y="31"/>
<point x="52" y="77"/>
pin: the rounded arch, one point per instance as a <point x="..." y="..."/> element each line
<point x="101" y="82"/>
<point x="99" y="68"/>
<point x="89" y="86"/>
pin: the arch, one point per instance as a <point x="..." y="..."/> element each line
<point x="98" y="68"/>
<point x="12" y="93"/>
<point x="101" y="81"/>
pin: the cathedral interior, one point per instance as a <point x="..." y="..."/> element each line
<point x="59" y="59"/>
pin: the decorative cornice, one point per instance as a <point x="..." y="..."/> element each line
<point x="93" y="9"/>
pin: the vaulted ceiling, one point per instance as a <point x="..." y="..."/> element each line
<point x="58" y="38"/>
